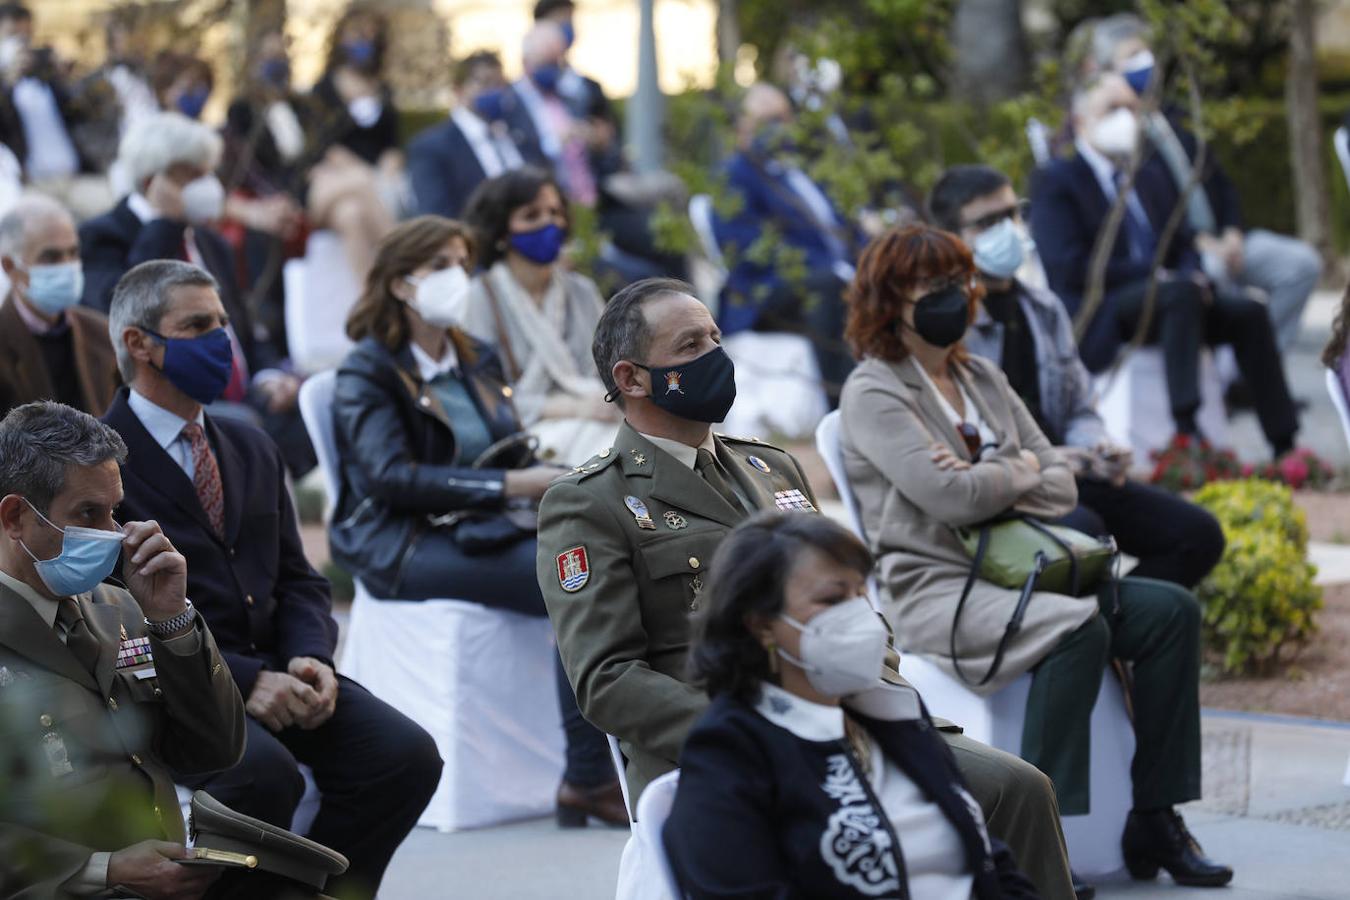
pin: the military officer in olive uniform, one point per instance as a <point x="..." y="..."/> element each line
<point x="625" y="539"/>
<point x="102" y="690"/>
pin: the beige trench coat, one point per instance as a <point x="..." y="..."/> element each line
<point x="910" y="509"/>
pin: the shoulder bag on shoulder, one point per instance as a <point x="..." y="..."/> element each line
<point x="1020" y="551"/>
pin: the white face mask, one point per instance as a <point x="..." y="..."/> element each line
<point x="1115" y="134"/>
<point x="442" y="297"/>
<point x="365" y="111"/>
<point x="203" y="200"/>
<point x="843" y="648"/>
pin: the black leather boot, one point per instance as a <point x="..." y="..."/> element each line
<point x="1160" y="839"/>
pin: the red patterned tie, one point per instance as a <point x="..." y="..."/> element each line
<point x="206" y="478"/>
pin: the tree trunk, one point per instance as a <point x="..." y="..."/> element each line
<point x="1305" y="130"/>
<point x="990" y="50"/>
<point x="728" y="32"/>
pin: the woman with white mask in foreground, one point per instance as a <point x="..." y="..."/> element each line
<point x="827" y="777"/>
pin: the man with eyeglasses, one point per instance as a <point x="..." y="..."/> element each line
<point x="1027" y="331"/>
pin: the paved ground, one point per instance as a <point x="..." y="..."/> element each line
<point x="1275" y="808"/>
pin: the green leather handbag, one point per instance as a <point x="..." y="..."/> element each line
<point x="1021" y="552"/>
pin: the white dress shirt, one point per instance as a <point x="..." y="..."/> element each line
<point x="496" y="153"/>
<point x="430" y="369"/>
<point x="51" y="153"/>
<point x="935" y="858"/>
<point x="167" y="430"/>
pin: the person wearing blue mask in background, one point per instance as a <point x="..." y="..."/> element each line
<point x="218" y="489"/>
<point x="538" y="314"/>
<point x="1028" y="333"/>
<point x="51" y="348"/>
<point x="182" y="83"/>
<point x="448" y="161"/>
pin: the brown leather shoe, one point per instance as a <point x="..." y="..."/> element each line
<point x="604" y="802"/>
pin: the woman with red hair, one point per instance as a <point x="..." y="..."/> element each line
<point x="935" y="440"/>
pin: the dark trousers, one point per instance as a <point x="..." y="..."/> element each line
<point x="375" y="768"/>
<point x="1183" y="323"/>
<point x="1173" y="539"/>
<point x="505" y="579"/>
<point x="1158" y="630"/>
<point x="814" y="308"/>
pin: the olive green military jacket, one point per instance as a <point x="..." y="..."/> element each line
<point x="87" y="760"/>
<point x="625" y="542"/>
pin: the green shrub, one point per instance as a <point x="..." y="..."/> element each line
<point x="1260" y="600"/>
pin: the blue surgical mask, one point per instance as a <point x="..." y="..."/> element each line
<point x="546" y="77"/>
<point x="88" y="555"/>
<point x="57" y="287"/>
<point x="191" y="103"/>
<point x="360" y="52"/>
<point x="199" y="367"/>
<point x="275" y="71"/>
<point x="542" y="245"/>
<point x="490" y="105"/>
<point x="569" y="33"/>
<point x="999" y="250"/>
<point x="1138" y="71"/>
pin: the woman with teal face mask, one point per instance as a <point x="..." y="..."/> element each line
<point x="539" y="314"/>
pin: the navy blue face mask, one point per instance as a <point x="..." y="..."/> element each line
<point x="546" y="78"/>
<point x="542" y="245"/>
<point x="199" y="367"/>
<point x="275" y="71"/>
<point x="701" y="391"/>
<point x="490" y="105"/>
<point x="359" y="52"/>
<point x="191" y="103"/>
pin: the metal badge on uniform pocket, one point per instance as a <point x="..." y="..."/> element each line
<point x="57" y="756"/>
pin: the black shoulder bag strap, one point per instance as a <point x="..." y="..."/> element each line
<point x="1014" y="623"/>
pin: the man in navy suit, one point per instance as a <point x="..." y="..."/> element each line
<point x="782" y="204"/>
<point x="448" y="161"/>
<point x="1070" y="201"/>
<point x="217" y="488"/>
<point x="171" y="161"/>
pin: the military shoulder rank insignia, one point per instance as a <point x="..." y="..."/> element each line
<point x="792" y="500"/>
<point x="640" y="513"/>
<point x="759" y="464"/>
<point x="574" y="569"/>
<point x="638" y="458"/>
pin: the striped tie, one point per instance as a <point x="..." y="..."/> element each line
<point x="206" y="478"/>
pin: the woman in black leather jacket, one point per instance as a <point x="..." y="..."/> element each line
<point x="417" y="403"/>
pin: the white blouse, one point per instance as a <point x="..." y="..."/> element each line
<point x="935" y="858"/>
<point x="972" y="416"/>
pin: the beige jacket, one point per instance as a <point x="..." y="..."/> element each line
<point x="910" y="508"/>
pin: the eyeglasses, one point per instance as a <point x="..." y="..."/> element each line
<point x="1017" y="210"/>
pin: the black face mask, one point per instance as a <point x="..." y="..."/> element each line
<point x="701" y="391"/>
<point x="941" y="318"/>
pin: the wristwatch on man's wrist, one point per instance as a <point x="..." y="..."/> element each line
<point x="175" y="624"/>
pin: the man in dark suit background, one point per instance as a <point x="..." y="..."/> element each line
<point x="217" y="487"/>
<point x="779" y="201"/>
<point x="171" y="160"/>
<point x="448" y="161"/>
<point x="51" y="348"/>
<point x="1070" y="202"/>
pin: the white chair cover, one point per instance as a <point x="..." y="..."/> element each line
<point x="320" y="292"/>
<point x="481" y="681"/>
<point x="778" y="388"/>
<point x="1134" y="403"/>
<point x="1094" y="839"/>
<point x="644" y="869"/>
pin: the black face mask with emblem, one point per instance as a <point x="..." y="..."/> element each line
<point x="701" y="391"/>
